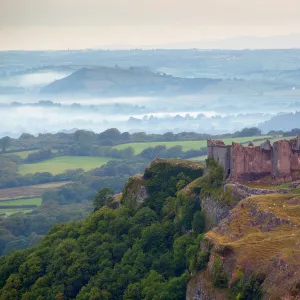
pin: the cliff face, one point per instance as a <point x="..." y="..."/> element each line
<point x="218" y="208"/>
<point x="142" y="186"/>
<point x="257" y="251"/>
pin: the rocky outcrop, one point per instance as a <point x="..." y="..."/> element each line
<point x="259" y="242"/>
<point x="215" y="211"/>
<point x="135" y="192"/>
<point x="240" y="191"/>
<point x="200" y="287"/>
<point x="140" y="187"/>
<point x="218" y="208"/>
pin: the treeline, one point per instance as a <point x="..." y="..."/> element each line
<point x="109" y="137"/>
<point x="77" y="142"/>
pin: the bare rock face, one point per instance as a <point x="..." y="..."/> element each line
<point x="215" y="211"/>
<point x="135" y="192"/>
<point x="200" y="288"/>
<point x="218" y="209"/>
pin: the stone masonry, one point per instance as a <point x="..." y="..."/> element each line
<point x="280" y="161"/>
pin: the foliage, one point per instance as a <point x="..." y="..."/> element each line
<point x="103" y="197"/>
<point x="198" y="223"/>
<point x="219" y="276"/>
<point x="5" y="142"/>
<point x="22" y="230"/>
<point x="113" y="254"/>
<point x="247" y="289"/>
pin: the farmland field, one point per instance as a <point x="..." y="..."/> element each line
<point x="12" y="211"/>
<point x="12" y="206"/>
<point x="187" y="145"/>
<point x="31" y="191"/>
<point x="17" y="202"/>
<point x="62" y="163"/>
<point x="199" y="158"/>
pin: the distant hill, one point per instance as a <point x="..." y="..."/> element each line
<point x="106" y="81"/>
<point x="285" y="121"/>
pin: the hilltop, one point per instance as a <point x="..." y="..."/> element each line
<point x="109" y="81"/>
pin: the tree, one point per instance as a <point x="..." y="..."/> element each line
<point x="5" y="143"/>
<point x="198" y="223"/>
<point x="103" y="197"/>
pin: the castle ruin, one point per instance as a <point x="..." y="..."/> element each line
<point x="280" y="161"/>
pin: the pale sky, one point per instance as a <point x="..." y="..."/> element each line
<point x="63" y="24"/>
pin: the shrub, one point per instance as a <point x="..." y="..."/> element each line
<point x="219" y="276"/>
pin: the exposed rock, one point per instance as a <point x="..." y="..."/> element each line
<point x="215" y="211"/>
<point x="240" y="191"/>
<point x="218" y="209"/>
<point x="261" y="235"/>
<point x="135" y="192"/>
<point x="200" y="288"/>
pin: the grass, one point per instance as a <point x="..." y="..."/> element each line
<point x="60" y="164"/>
<point x="13" y="211"/>
<point x="187" y="145"/>
<point x="31" y="191"/>
<point x="50" y="185"/>
<point x="25" y="201"/>
<point x="198" y="158"/>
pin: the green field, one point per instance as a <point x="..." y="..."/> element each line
<point x="199" y="158"/>
<point x="10" y="212"/>
<point x="17" y="202"/>
<point x="62" y="163"/>
<point x="187" y="145"/>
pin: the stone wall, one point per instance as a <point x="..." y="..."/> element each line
<point x="280" y="161"/>
<point x="287" y="159"/>
<point x="221" y="153"/>
<point x="250" y="163"/>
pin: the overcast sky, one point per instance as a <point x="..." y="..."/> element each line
<point x="63" y="24"/>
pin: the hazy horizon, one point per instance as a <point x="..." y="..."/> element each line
<point x="66" y="24"/>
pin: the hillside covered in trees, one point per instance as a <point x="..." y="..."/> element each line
<point x="133" y="248"/>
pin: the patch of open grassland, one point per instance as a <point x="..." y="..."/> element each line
<point x="187" y="145"/>
<point x="62" y="163"/>
<point x="30" y="191"/>
<point x="24" y="201"/>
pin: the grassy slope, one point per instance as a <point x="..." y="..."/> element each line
<point x="60" y="164"/>
<point x="262" y="234"/>
<point x="187" y="145"/>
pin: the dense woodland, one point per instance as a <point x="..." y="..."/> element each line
<point x="132" y="252"/>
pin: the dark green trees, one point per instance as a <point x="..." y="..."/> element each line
<point x="103" y="197"/>
<point x="5" y="143"/>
